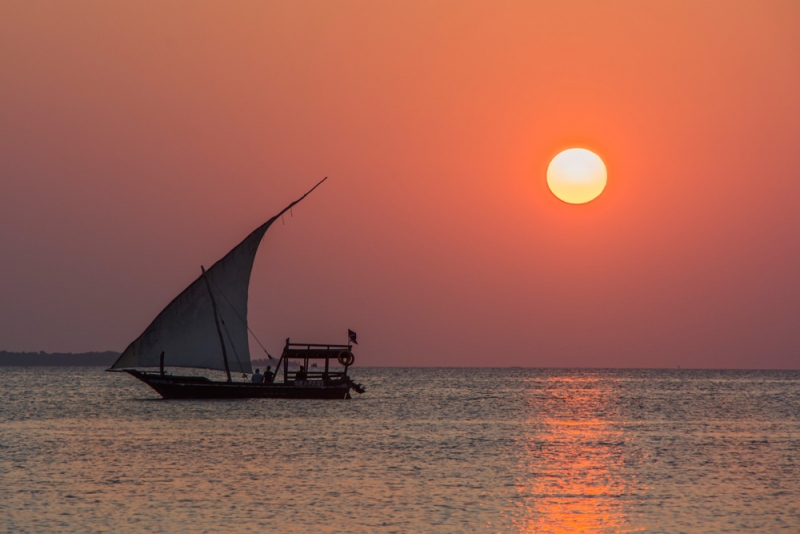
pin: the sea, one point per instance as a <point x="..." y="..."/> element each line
<point x="423" y="450"/>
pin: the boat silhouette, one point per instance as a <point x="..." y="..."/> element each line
<point x="205" y="327"/>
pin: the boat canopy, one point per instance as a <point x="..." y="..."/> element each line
<point x="186" y="331"/>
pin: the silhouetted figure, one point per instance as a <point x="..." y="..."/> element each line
<point x="257" y="378"/>
<point x="300" y="376"/>
<point x="269" y="376"/>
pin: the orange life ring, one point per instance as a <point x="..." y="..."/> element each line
<point x="346" y="358"/>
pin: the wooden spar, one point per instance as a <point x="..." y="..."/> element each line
<point x="286" y="363"/>
<point x="216" y="322"/>
<point x="161" y="363"/>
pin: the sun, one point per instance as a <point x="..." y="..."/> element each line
<point x="577" y="176"/>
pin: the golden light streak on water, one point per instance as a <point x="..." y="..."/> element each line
<point x="574" y="465"/>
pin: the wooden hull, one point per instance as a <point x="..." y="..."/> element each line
<point x="192" y="387"/>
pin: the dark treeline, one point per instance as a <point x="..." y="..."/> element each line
<point x="57" y="359"/>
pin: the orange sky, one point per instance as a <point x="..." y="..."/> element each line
<point x="139" y="140"/>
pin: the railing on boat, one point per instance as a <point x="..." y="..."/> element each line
<point x="307" y="352"/>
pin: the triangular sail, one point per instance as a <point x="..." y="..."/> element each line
<point x="185" y="330"/>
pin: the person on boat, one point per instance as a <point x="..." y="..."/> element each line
<point x="269" y="376"/>
<point x="257" y="377"/>
<point x="300" y="375"/>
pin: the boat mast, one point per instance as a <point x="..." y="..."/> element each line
<point x="216" y="322"/>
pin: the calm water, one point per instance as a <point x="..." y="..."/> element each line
<point x="424" y="450"/>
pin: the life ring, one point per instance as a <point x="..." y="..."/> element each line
<point x="346" y="358"/>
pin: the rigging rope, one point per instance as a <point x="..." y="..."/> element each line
<point x="243" y="321"/>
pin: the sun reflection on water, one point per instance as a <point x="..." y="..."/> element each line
<point x="572" y="466"/>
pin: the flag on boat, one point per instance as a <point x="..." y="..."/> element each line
<point x="351" y="336"/>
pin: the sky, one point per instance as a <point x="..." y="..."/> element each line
<point x="140" y="140"/>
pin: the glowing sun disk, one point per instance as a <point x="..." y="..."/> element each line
<point x="577" y="175"/>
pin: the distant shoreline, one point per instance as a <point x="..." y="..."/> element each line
<point x="78" y="359"/>
<point x="57" y="359"/>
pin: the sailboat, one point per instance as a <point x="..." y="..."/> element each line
<point x="205" y="327"/>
